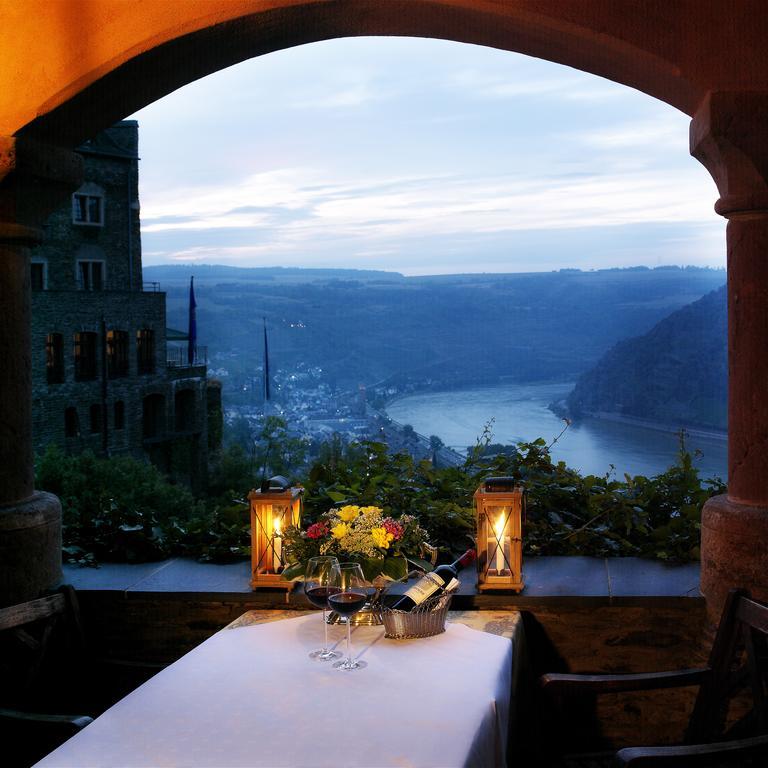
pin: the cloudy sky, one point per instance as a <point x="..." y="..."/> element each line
<point x="423" y="157"/>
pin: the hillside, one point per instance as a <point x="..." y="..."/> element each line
<point x="677" y="373"/>
<point x="367" y="327"/>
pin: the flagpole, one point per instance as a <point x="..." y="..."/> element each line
<point x="266" y="364"/>
<point x="192" y="330"/>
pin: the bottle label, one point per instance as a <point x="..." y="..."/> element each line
<point x="452" y="584"/>
<point x="425" y="587"/>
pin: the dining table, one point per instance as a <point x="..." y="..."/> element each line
<point x="250" y="695"/>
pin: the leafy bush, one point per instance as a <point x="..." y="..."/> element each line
<point x="122" y="509"/>
<point x="567" y="513"/>
<point x="117" y="509"/>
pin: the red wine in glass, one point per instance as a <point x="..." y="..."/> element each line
<point x="321" y="580"/>
<point x="319" y="596"/>
<point x="347" y="602"/>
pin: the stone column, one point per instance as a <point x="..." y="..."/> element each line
<point x="728" y="135"/>
<point x="33" y="179"/>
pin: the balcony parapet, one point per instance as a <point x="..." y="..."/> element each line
<point x="179" y="357"/>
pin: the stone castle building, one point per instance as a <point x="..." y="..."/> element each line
<point x="104" y="376"/>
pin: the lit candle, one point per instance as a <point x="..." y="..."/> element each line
<point x="500" y="541"/>
<point x="277" y="557"/>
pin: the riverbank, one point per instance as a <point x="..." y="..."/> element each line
<point x="595" y="445"/>
<point x="560" y="409"/>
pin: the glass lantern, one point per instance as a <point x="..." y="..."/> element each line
<point x="498" y="515"/>
<point x="273" y="510"/>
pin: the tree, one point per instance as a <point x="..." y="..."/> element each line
<point x="275" y="451"/>
<point x="435" y="444"/>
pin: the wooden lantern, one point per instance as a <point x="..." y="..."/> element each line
<point x="498" y="515"/>
<point x="273" y="509"/>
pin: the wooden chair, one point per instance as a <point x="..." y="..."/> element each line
<point x="738" y="662"/>
<point x="41" y="645"/>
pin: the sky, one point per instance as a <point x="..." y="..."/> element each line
<point x="421" y="157"/>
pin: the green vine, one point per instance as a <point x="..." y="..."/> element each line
<point x="121" y="509"/>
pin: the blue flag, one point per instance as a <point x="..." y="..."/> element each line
<point x="192" y="335"/>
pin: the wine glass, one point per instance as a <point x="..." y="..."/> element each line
<point x="348" y="601"/>
<point x="321" y="580"/>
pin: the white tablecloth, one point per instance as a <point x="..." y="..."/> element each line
<point x="251" y="697"/>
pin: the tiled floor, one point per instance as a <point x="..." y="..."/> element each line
<point x="544" y="577"/>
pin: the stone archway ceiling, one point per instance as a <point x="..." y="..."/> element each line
<point x="70" y="69"/>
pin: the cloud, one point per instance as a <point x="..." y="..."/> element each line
<point x="353" y="96"/>
<point x="668" y="133"/>
<point x="387" y="215"/>
<point x="520" y="84"/>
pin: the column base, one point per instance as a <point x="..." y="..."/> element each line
<point x="733" y="551"/>
<point x="30" y="548"/>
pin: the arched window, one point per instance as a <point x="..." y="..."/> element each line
<point x="153" y="416"/>
<point x="145" y="350"/>
<point x="95" y="418"/>
<point x="85" y="355"/>
<point x="71" y="422"/>
<point x="117" y="354"/>
<point x="38" y="273"/>
<point x="90" y="268"/>
<point x="54" y="358"/>
<point x="88" y="206"/>
<point x="184" y="410"/>
<point x="119" y="414"/>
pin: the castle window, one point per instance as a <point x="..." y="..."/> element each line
<point x="54" y="358"/>
<point x="85" y="356"/>
<point x="117" y="354"/>
<point x="184" y="407"/>
<point x="153" y="416"/>
<point x="145" y="350"/>
<point x="90" y="275"/>
<point x="119" y="415"/>
<point x="95" y="414"/>
<point x="71" y="423"/>
<point x="88" y="209"/>
<point x="38" y="275"/>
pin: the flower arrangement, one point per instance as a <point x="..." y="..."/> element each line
<point x="381" y="544"/>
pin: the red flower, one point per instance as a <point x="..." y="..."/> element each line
<point x="392" y="527"/>
<point x="317" y="530"/>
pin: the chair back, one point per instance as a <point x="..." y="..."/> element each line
<point x="34" y="639"/>
<point x="733" y="700"/>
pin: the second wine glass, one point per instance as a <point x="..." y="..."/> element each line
<point x="321" y="580"/>
<point x="347" y="602"/>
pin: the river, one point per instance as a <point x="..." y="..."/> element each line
<point x="520" y="412"/>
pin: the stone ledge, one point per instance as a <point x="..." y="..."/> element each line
<point x="549" y="580"/>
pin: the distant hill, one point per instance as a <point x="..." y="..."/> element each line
<point x="677" y="373"/>
<point x="447" y="331"/>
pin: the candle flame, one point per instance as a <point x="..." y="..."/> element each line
<point x="499" y="526"/>
<point x="276" y="526"/>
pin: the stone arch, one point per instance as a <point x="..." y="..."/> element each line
<point x="69" y="70"/>
<point x="117" y="59"/>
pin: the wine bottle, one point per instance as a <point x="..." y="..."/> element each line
<point x="443" y="578"/>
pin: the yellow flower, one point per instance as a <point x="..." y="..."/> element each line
<point x="368" y="510"/>
<point x="349" y="513"/>
<point x="381" y="538"/>
<point x="340" y="531"/>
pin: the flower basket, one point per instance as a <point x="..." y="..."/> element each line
<point x="382" y="544"/>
